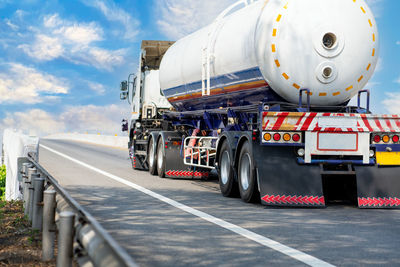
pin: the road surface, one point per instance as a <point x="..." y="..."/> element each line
<point x="165" y="222"/>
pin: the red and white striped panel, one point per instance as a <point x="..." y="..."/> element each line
<point x="329" y="122"/>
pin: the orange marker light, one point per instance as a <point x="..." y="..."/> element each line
<point x="287" y="137"/>
<point x="386" y="138"/>
<point x="267" y="137"/>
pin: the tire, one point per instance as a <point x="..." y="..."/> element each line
<point x="227" y="182"/>
<point x="151" y="158"/>
<point x="247" y="176"/>
<point x="160" y="159"/>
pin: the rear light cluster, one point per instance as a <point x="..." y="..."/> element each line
<point x="386" y="138"/>
<point x="281" y="137"/>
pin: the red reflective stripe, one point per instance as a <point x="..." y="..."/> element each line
<point x="308" y="121"/>
<point x="366" y="122"/>
<point x="390" y="126"/>
<point x="378" y="202"/>
<point x="279" y="122"/>
<point x="186" y="173"/>
<point x="379" y="125"/>
<point x="294" y="200"/>
<point x="298" y="122"/>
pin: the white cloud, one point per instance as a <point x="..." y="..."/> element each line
<point x="97" y="87"/>
<point x="11" y="25"/>
<point x="103" y="119"/>
<point x="392" y="103"/>
<point x="33" y="122"/>
<point x="177" y="18"/>
<point x="72" y="41"/>
<point x="52" y="21"/>
<point x="44" y="48"/>
<point x="80" y="119"/>
<point x="19" y="83"/>
<point x="398" y="80"/>
<point x="113" y="13"/>
<point x="398" y="42"/>
<point x="76" y="33"/>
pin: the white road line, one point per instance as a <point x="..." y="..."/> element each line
<point x="291" y="252"/>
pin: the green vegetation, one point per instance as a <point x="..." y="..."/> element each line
<point x="2" y="182"/>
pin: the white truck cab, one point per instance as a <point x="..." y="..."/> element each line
<point x="142" y="89"/>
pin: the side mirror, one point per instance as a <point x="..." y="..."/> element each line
<point x="124" y="86"/>
<point x="123" y="95"/>
<point x="124" y="125"/>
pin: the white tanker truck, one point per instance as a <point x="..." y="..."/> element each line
<point x="261" y="97"/>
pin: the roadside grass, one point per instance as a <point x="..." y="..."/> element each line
<point x="19" y="244"/>
<point x="2" y="182"/>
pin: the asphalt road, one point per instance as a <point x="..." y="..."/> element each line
<point x="156" y="233"/>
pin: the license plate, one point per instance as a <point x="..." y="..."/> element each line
<point x="388" y="158"/>
<point x="337" y="142"/>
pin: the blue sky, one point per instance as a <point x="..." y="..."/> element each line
<point x="61" y="61"/>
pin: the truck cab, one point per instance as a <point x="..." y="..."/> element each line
<point x="142" y="90"/>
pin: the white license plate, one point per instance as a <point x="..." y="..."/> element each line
<point x="337" y="142"/>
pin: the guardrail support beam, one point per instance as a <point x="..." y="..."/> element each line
<point x="65" y="239"/>
<point x="32" y="174"/>
<point x="25" y="189"/>
<point x="49" y="226"/>
<point x="37" y="216"/>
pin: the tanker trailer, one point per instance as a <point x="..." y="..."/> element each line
<point x="261" y="96"/>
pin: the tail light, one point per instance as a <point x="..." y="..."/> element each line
<point x="386" y="138"/>
<point x="377" y="139"/>
<point x="277" y="137"/>
<point x="281" y="137"/>
<point x="287" y="137"/>
<point x="267" y="137"/>
<point x="296" y="137"/>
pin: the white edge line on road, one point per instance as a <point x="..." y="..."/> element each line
<point x="291" y="252"/>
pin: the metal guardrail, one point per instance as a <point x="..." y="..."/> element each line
<point x="51" y="209"/>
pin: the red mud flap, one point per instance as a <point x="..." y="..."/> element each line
<point x="378" y="187"/>
<point x="187" y="174"/>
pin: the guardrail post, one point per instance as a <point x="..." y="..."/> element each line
<point x="49" y="228"/>
<point x="25" y="192"/>
<point x="65" y="239"/>
<point x="37" y="209"/>
<point x="32" y="174"/>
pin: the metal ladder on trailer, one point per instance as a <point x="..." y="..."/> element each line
<point x="208" y="50"/>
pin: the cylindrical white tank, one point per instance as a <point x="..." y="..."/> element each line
<point x="329" y="47"/>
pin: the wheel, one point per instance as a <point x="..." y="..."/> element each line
<point x="247" y="175"/>
<point x="160" y="159"/>
<point x="151" y="158"/>
<point x="227" y="182"/>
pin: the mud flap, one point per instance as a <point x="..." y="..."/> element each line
<point x="283" y="182"/>
<point x="174" y="167"/>
<point x="378" y="186"/>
